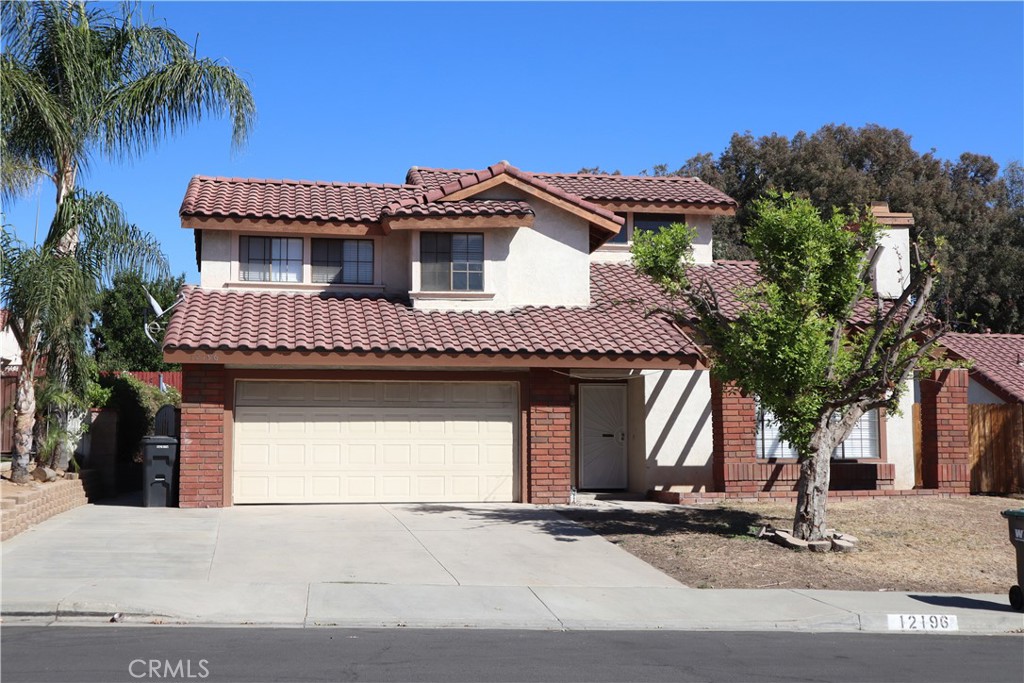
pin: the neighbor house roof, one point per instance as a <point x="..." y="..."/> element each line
<point x="251" y="321"/>
<point x="998" y="360"/>
<point x="598" y="187"/>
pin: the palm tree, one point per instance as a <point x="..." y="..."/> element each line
<point x="77" y="81"/>
<point x="48" y="291"/>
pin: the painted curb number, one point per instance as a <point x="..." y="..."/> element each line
<point x="923" y="622"/>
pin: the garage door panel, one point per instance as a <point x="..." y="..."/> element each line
<point x="422" y="442"/>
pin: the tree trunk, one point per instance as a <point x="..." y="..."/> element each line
<point x="809" y="523"/>
<point x="65" y="180"/>
<point x="24" y="421"/>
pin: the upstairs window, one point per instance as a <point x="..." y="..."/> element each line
<point x="622" y="237"/>
<point x="452" y="262"/>
<point x="863" y="441"/>
<point x="338" y="261"/>
<point x="653" y="221"/>
<point x="270" y="259"/>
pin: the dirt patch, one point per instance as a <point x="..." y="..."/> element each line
<point x="906" y="544"/>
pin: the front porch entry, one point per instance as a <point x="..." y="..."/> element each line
<point x="602" y="437"/>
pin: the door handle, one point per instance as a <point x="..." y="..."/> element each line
<point x="608" y="436"/>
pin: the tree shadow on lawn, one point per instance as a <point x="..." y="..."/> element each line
<point x="717" y="521"/>
<point x="714" y="521"/>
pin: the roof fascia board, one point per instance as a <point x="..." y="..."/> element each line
<point x="539" y="193"/>
<point x="666" y="207"/>
<point x="235" y="224"/>
<point x="455" y="222"/>
<point x="454" y="360"/>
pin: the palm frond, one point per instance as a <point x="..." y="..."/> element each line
<point x="165" y="101"/>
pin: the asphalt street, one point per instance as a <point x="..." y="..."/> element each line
<point x="109" y="652"/>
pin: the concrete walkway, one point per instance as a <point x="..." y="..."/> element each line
<point x="477" y="566"/>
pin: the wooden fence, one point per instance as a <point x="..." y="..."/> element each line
<point x="997" y="448"/>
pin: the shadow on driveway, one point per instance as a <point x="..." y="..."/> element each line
<point x="620" y="521"/>
<point x="962" y="602"/>
<point x="718" y="521"/>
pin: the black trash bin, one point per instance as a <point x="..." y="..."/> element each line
<point x="159" y="471"/>
<point x="1015" y="518"/>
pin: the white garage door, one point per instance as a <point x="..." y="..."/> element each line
<point x="340" y="442"/>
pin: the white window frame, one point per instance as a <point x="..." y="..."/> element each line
<point x="274" y="273"/>
<point x="866" y="434"/>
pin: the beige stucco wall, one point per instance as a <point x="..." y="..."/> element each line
<point x="979" y="394"/>
<point x="892" y="272"/>
<point x="216" y="259"/>
<point x="220" y="265"/>
<point x="670" y="435"/>
<point x="547" y="264"/>
<point x="10" y="351"/>
<point x="899" y="439"/>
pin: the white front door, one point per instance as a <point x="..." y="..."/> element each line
<point x="603" y="436"/>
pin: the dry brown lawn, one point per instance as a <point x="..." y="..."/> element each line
<point x="906" y="544"/>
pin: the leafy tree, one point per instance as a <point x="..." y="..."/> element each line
<point x="803" y="341"/>
<point x="78" y="81"/>
<point x="965" y="202"/>
<point x="118" y="337"/>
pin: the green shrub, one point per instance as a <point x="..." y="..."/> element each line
<point x="137" y="404"/>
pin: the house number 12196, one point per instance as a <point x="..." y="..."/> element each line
<point x="923" y="622"/>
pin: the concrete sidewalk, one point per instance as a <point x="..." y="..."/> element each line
<point x="466" y="566"/>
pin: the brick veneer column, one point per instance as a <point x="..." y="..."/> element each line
<point x="549" y="447"/>
<point x="201" y="460"/>
<point x="945" y="435"/>
<point x="734" y="427"/>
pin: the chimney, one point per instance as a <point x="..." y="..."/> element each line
<point x="892" y="271"/>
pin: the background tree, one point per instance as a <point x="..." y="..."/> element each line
<point x="965" y="202"/>
<point x="118" y="338"/>
<point x="79" y="81"/>
<point x="804" y="342"/>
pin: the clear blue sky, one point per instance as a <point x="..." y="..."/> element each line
<point x="360" y="92"/>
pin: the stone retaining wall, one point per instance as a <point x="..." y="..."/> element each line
<point x="36" y="504"/>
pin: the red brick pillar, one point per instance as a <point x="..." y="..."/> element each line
<point x="549" y="447"/>
<point x="201" y="457"/>
<point x="734" y="428"/>
<point x="945" y="435"/>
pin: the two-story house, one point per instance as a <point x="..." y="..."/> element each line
<point x="469" y="336"/>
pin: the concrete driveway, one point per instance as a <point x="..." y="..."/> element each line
<point x="372" y="564"/>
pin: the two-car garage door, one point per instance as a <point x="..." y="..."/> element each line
<point x="336" y="442"/>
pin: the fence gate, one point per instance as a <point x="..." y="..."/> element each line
<point x="997" y="448"/>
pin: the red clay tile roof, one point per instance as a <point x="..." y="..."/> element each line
<point x="465" y="207"/>
<point x="620" y="282"/>
<point x="997" y="359"/>
<point x="469" y="179"/>
<point x="267" y="321"/>
<point x="340" y="202"/>
<point x="290" y="199"/>
<point x="596" y="187"/>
